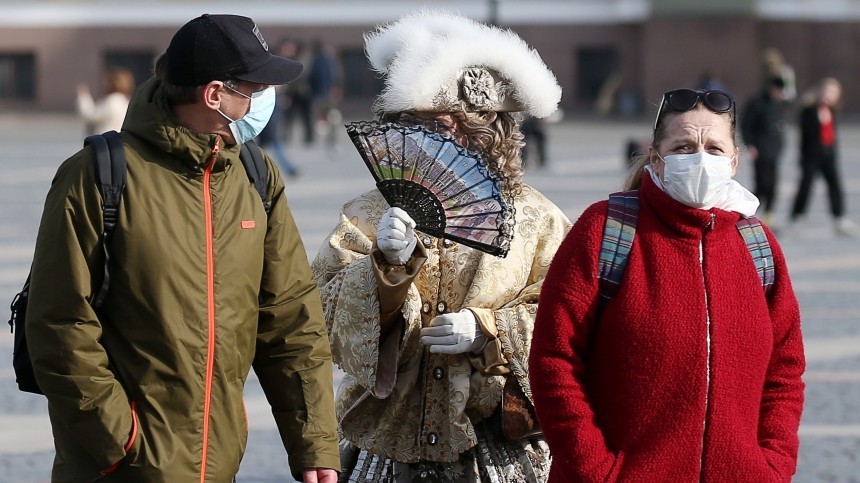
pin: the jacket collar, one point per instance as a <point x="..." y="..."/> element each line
<point x="150" y="119"/>
<point x="680" y="219"/>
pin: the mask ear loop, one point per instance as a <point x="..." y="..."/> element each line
<point x="736" y="161"/>
<point x="651" y="170"/>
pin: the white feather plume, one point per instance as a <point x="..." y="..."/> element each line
<point x="424" y="51"/>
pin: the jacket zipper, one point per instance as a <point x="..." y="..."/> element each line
<point x="210" y="302"/>
<point x="709" y="226"/>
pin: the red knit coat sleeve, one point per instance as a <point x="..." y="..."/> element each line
<point x="782" y="399"/>
<point x="565" y="316"/>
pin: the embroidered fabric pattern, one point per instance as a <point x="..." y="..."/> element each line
<point x="490" y="460"/>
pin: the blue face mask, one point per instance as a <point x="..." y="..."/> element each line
<point x="252" y="123"/>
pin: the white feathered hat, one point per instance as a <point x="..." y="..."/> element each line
<point x="440" y="61"/>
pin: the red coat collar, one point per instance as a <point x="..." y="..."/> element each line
<point x="679" y="218"/>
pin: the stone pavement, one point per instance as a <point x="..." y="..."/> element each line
<point x="586" y="160"/>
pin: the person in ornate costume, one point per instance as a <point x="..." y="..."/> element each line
<point x="430" y="333"/>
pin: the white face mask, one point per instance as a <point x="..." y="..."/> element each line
<point x="699" y="180"/>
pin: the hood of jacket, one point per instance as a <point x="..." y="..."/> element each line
<point x="151" y="120"/>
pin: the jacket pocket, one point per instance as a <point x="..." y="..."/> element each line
<point x="132" y="437"/>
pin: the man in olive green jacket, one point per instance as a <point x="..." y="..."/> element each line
<point x="203" y="285"/>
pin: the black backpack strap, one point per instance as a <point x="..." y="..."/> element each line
<point x="110" y="169"/>
<point x="21" y="363"/>
<point x="258" y="172"/>
<point x="18" y="307"/>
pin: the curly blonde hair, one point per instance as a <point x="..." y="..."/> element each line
<point x="496" y="136"/>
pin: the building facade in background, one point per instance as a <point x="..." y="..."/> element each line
<point x="613" y="57"/>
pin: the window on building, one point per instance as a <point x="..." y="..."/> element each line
<point x="17" y="76"/>
<point x="595" y="66"/>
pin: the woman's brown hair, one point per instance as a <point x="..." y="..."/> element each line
<point x="119" y="80"/>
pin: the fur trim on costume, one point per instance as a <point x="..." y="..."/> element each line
<point x="429" y="60"/>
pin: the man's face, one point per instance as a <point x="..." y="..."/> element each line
<point x="237" y="99"/>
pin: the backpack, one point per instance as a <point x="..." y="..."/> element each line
<point x="110" y="170"/>
<point x="618" y="236"/>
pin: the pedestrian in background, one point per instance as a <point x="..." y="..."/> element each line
<point x="325" y="79"/>
<point x="819" y="154"/>
<point x="692" y="370"/>
<point x="774" y="65"/>
<point x="107" y="113"/>
<point x="535" y="139"/>
<point x="431" y="332"/>
<point x="270" y="137"/>
<point x="763" y="129"/>
<point x="297" y="102"/>
<point x="205" y="283"/>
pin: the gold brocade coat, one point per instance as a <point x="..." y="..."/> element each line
<point x="397" y="400"/>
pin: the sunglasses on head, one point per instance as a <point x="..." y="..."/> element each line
<point x="682" y="100"/>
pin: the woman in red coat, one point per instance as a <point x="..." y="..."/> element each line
<point x="692" y="372"/>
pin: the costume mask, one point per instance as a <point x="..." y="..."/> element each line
<point x="699" y="180"/>
<point x="252" y="123"/>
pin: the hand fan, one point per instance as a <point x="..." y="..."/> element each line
<point x="448" y="190"/>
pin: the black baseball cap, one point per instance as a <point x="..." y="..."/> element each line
<point x="221" y="47"/>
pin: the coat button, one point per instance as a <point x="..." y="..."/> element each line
<point x="427" y="242"/>
<point x="438" y="373"/>
<point x="432" y="438"/>
<point x="447" y="243"/>
<point x="441" y="307"/>
<point x="426" y="308"/>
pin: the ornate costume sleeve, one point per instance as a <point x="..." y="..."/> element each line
<point x="393" y="282"/>
<point x="541" y="227"/>
<point x="293" y="358"/>
<point x="491" y="360"/>
<point x="350" y="290"/>
<point x="782" y="400"/>
<point x="63" y="331"/>
<point x="566" y="315"/>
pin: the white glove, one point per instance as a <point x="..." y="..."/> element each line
<point x="454" y="333"/>
<point x="395" y="236"/>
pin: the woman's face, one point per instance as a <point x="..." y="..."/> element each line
<point x="695" y="131"/>
<point x="830" y="94"/>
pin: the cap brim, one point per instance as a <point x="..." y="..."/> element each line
<point x="277" y="71"/>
